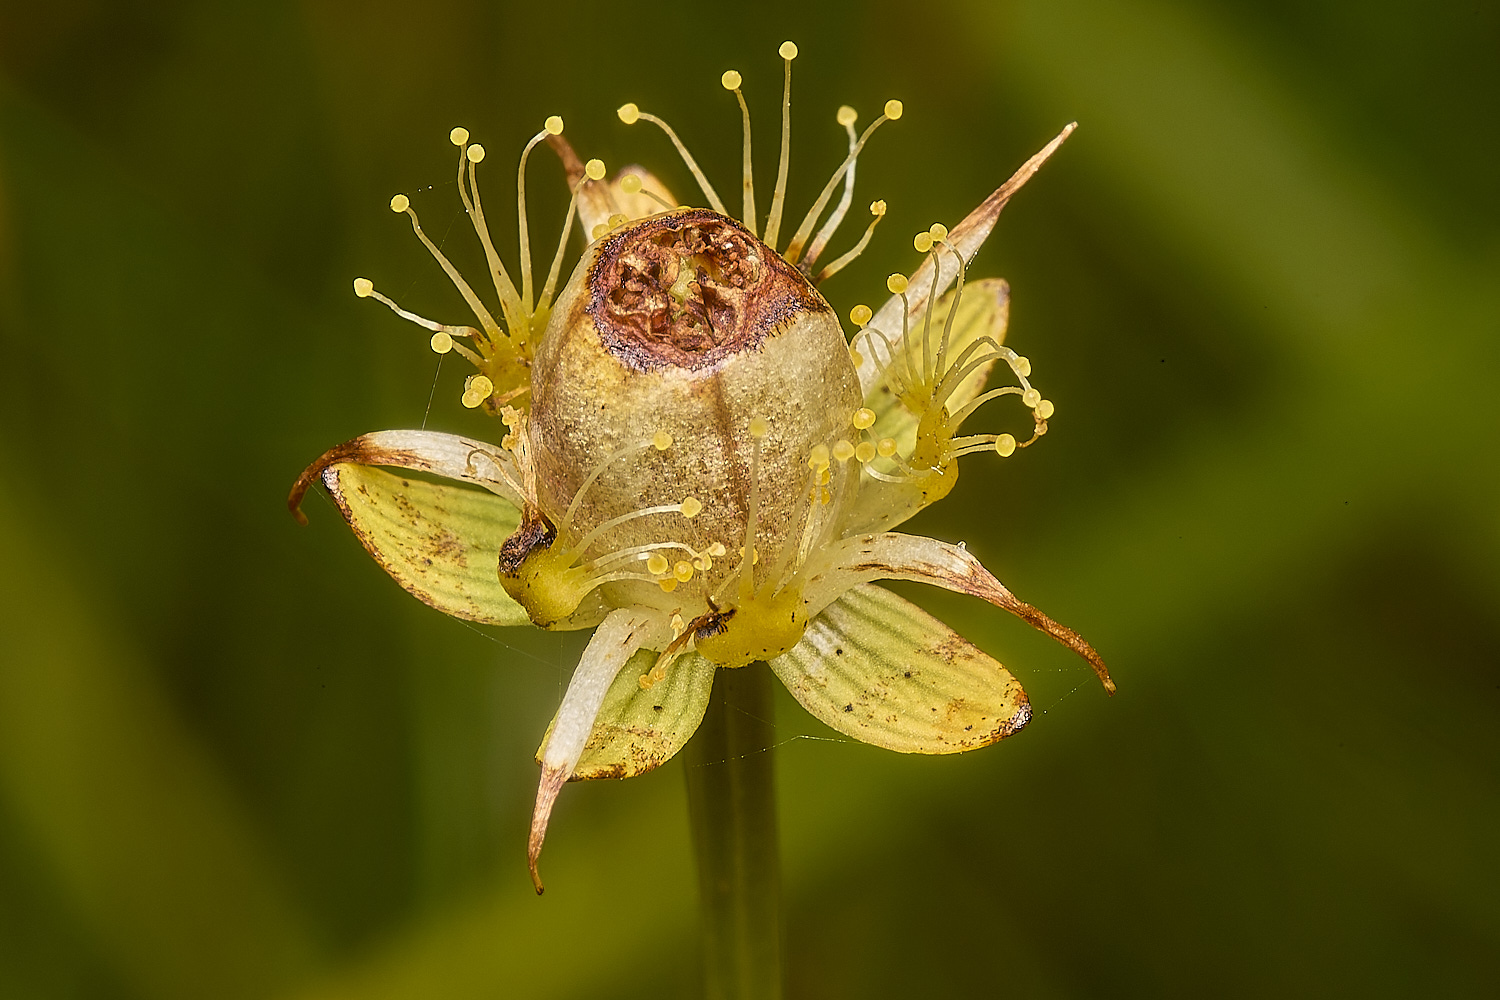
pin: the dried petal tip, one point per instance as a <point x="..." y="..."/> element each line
<point x="553" y="779"/>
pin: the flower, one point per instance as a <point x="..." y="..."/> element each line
<point x="700" y="466"/>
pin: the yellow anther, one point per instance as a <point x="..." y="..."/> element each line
<point x="877" y="208"/>
<point x="594" y="170"/>
<point x="599" y="230"/>
<point x="631" y="183"/>
<point x="703" y="563"/>
<point x="629" y="113"/>
<point x="863" y="417"/>
<point x="657" y="564"/>
<point x="1045" y="409"/>
<point x="860" y="314"/>
<point x="923" y="242"/>
<point x="661" y="440"/>
<point x="717" y="550"/>
<point x="818" y="457"/>
<point x="825" y="496"/>
<point x="1022" y="366"/>
<point x="759" y="427"/>
<point x="1005" y="445"/>
<point x="691" y="507"/>
<point x="459" y="136"/>
<point x="441" y="342"/>
<point x="754" y="552"/>
<point x="400" y="203"/>
<point x="825" y="474"/>
<point x="474" y="153"/>
<point x="856" y="357"/>
<point x="478" y="390"/>
<point x="885" y="447"/>
<point x="731" y="79"/>
<point x="847" y="116"/>
<point x="683" y="571"/>
<point x="863" y="452"/>
<point x="363" y="287"/>
<point x="939" y="232"/>
<point x="893" y="110"/>
<point x="1031" y="398"/>
<point x="843" y="451"/>
<point x="553" y="124"/>
<point x="896" y="283"/>
<point x="658" y="673"/>
<point x="617" y="220"/>
<point x="668" y="585"/>
<point x="788" y="50"/>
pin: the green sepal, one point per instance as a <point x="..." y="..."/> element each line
<point x="878" y="668"/>
<point x="638" y="730"/>
<point x="442" y="543"/>
<point x="983" y="311"/>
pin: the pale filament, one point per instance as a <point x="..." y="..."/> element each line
<point x="847" y="119"/>
<point x="510" y="301"/>
<point x="778" y="197"/>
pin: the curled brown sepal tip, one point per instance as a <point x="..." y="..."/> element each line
<point x="552" y="781"/>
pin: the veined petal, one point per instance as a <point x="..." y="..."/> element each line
<point x="442" y="543"/>
<point x="878" y="668"/>
<point x="447" y="455"/>
<point x="966" y="238"/>
<point x="894" y="556"/>
<point x="624" y="631"/>
<point x="637" y="730"/>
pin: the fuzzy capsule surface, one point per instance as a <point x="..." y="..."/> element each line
<point x="686" y="324"/>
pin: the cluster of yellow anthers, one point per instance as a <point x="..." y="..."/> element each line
<point x="701" y="463"/>
<point x="502" y="355"/>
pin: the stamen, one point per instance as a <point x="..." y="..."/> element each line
<point x="863" y="418"/>
<point x="552" y="126"/>
<point x="847" y="116"/>
<point x="615" y="522"/>
<point x="365" y="289"/>
<point x="593" y="477"/>
<point x="630" y="114"/>
<point x="794" y="248"/>
<point x="592" y="171"/>
<point x="400" y="204"/>
<point x="788" y="52"/>
<point x="877" y="209"/>
<point x="510" y="300"/>
<point x="731" y="81"/>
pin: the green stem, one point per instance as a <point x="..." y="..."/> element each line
<point x="732" y="805"/>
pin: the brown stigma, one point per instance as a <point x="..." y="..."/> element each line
<point x="690" y="289"/>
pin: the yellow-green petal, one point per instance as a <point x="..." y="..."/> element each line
<point x="442" y="543"/>
<point x="983" y="311"/>
<point x="878" y="668"/>
<point x="637" y="730"/>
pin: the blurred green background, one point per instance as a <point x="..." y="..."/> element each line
<point x="1260" y="284"/>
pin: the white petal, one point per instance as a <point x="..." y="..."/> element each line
<point x="623" y="632"/>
